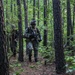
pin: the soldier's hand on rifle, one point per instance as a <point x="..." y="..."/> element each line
<point x="32" y="35"/>
<point x="40" y="39"/>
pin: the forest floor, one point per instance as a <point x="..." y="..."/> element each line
<point x="31" y="68"/>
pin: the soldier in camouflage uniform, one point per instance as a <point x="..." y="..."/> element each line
<point x="33" y="38"/>
<point x="13" y="40"/>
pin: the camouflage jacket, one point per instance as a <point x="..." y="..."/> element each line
<point x="14" y="36"/>
<point x="35" y="32"/>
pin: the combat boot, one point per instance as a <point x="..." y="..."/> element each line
<point x="36" y="60"/>
<point x="30" y="59"/>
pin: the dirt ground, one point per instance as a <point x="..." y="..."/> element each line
<point x="31" y="68"/>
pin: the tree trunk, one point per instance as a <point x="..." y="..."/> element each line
<point x="26" y="19"/>
<point x="45" y="23"/>
<point x="7" y="26"/>
<point x="58" y="40"/>
<point x="72" y="31"/>
<point x="73" y="15"/>
<point x="6" y="12"/>
<point x="34" y="9"/>
<point x="20" y="32"/>
<point x="11" y="6"/>
<point x="73" y="20"/>
<point x="26" y="14"/>
<point x="4" y="65"/>
<point x="38" y="14"/>
<point x="69" y="24"/>
<point x="12" y="10"/>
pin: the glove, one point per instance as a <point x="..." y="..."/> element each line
<point x="40" y="39"/>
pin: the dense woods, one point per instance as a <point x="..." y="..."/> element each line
<point x="55" y="19"/>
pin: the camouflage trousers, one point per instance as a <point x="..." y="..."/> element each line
<point x="35" y="49"/>
<point x="13" y="48"/>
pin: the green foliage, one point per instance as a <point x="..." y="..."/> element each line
<point x="47" y="53"/>
<point x="70" y="63"/>
<point x="70" y="56"/>
<point x="32" y="66"/>
<point x="19" y="71"/>
<point x="17" y="65"/>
